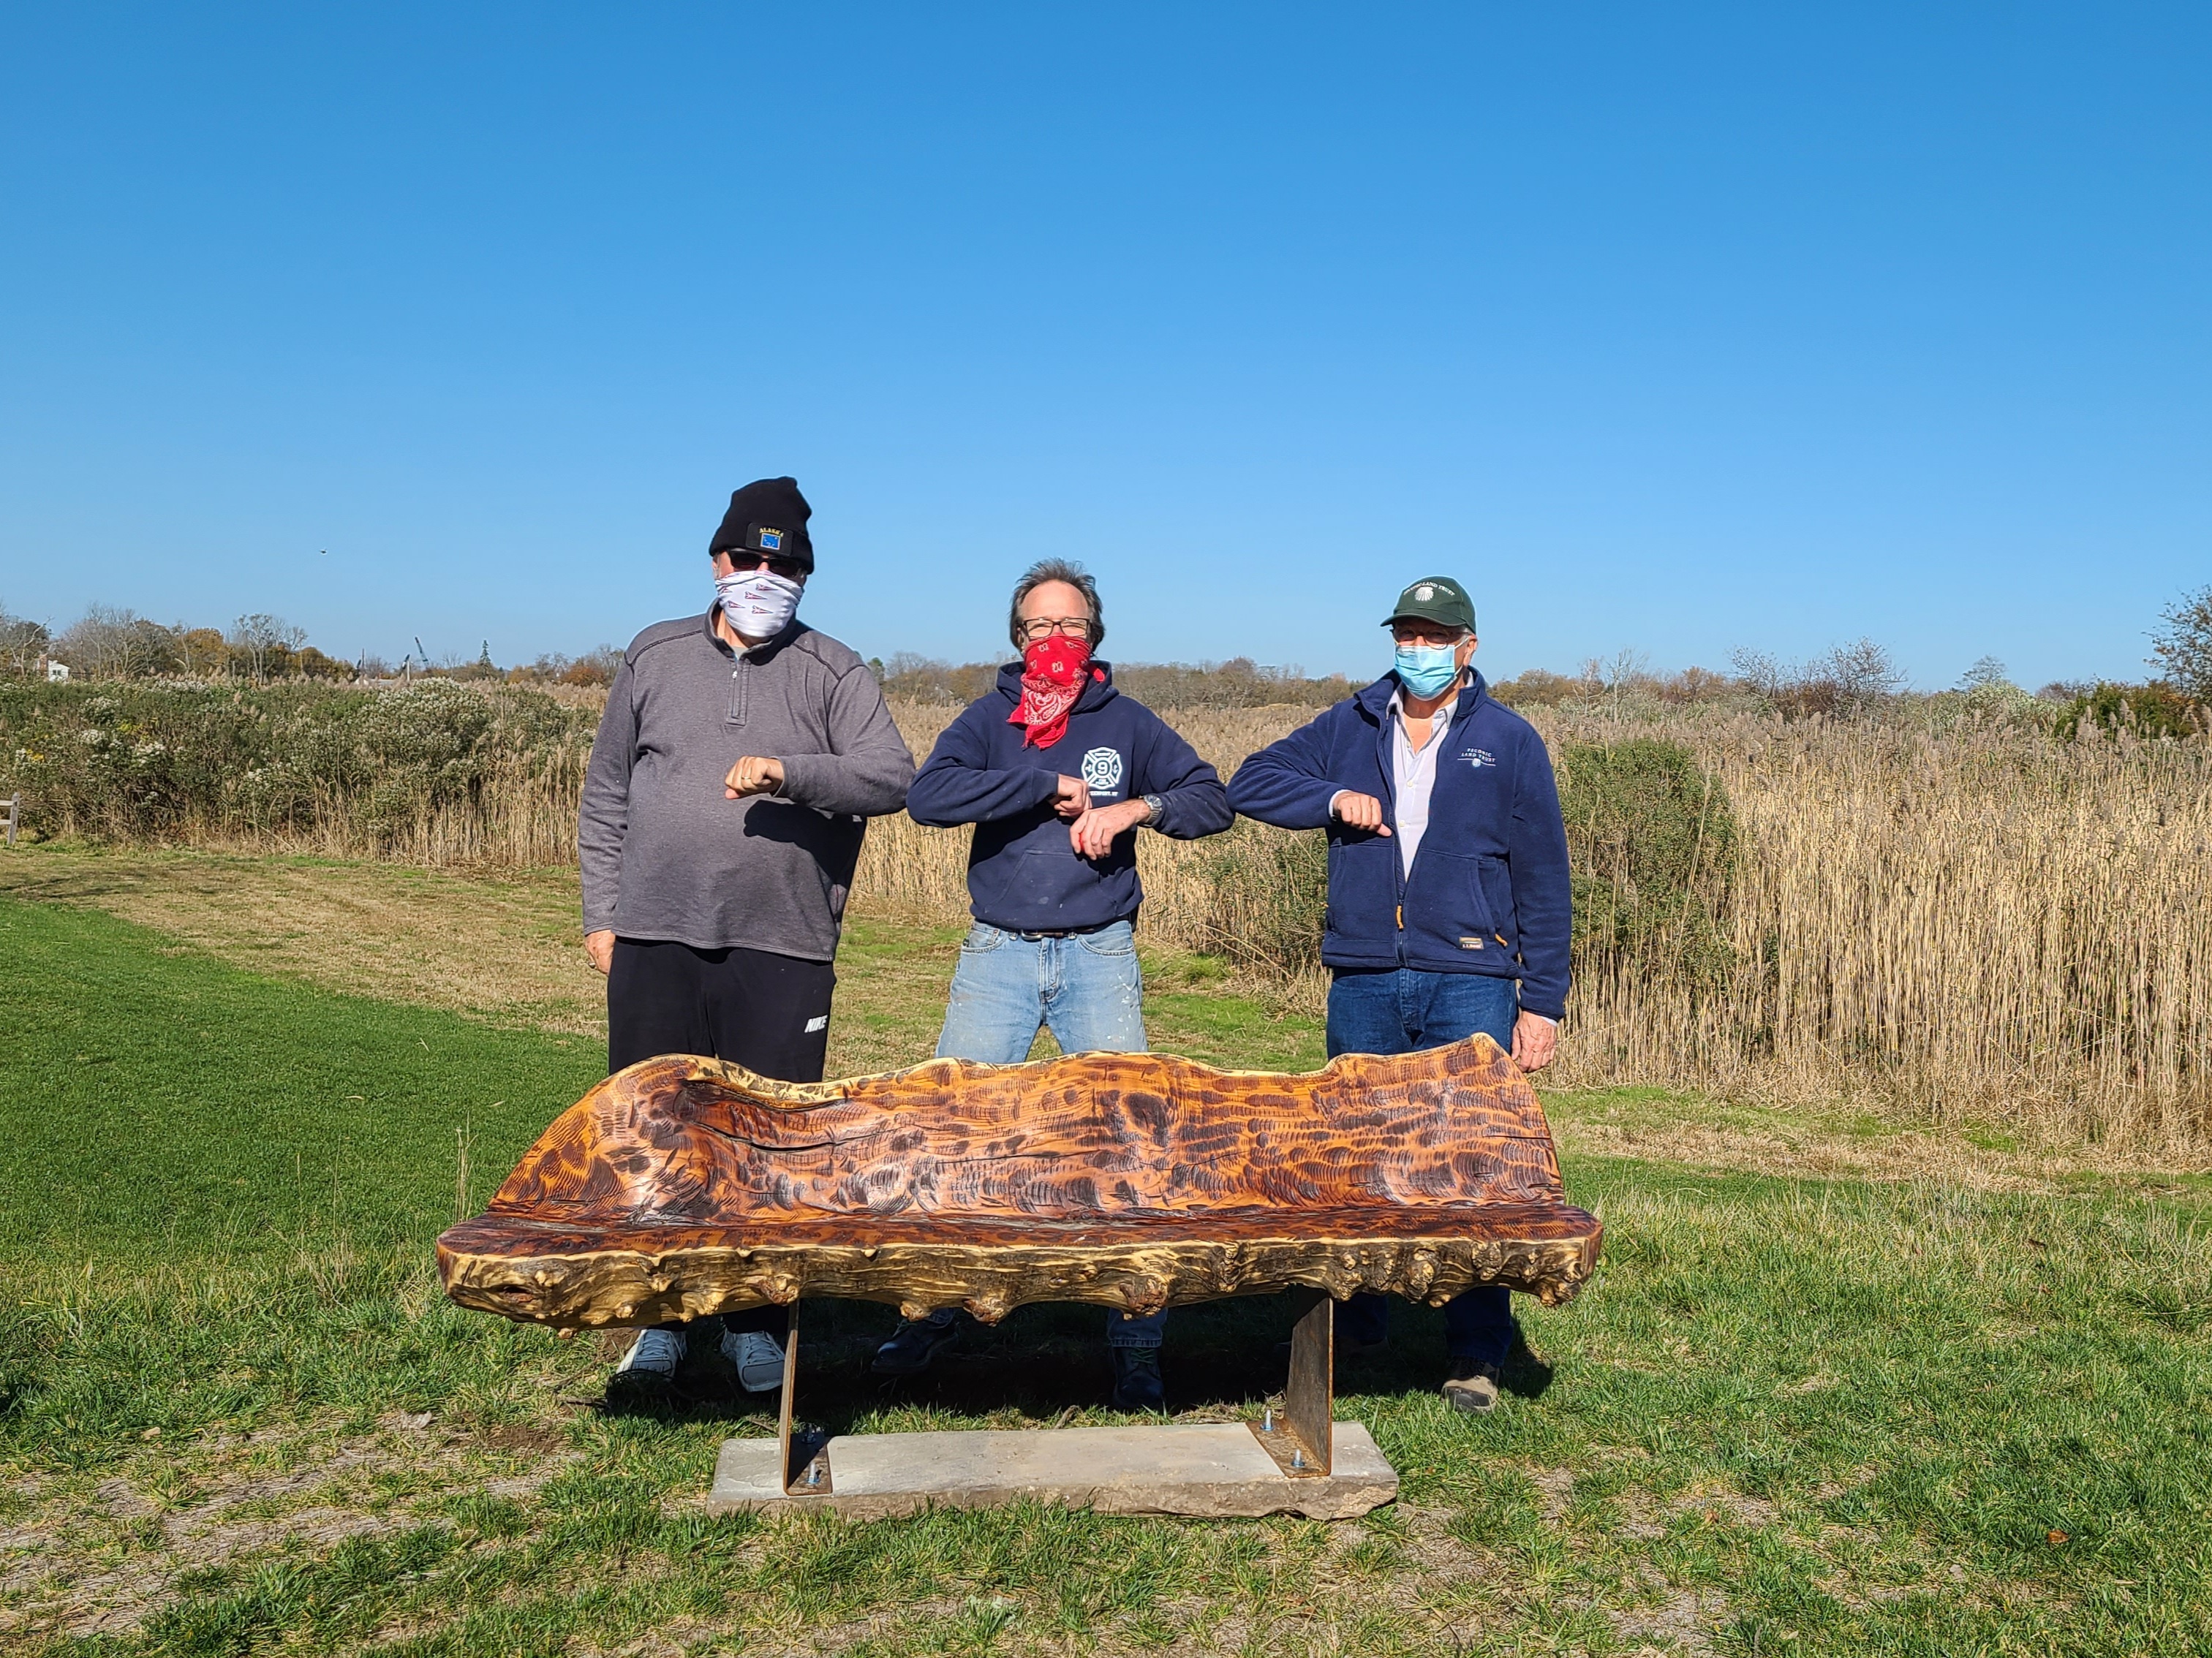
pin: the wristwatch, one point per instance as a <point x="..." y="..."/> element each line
<point x="1157" y="806"/>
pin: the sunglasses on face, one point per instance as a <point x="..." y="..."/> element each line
<point x="1067" y="627"/>
<point x="744" y="563"/>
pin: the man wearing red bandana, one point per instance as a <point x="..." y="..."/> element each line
<point x="1057" y="771"/>
<point x="1053" y="669"/>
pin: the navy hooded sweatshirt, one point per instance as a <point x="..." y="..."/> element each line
<point x="1488" y="892"/>
<point x="1023" y="872"/>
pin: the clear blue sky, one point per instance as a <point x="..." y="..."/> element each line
<point x="1676" y="328"/>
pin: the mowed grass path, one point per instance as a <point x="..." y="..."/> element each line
<point x="1790" y="1416"/>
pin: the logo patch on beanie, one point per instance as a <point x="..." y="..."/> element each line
<point x="771" y="541"/>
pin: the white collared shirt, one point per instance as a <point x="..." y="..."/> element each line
<point x="1413" y="775"/>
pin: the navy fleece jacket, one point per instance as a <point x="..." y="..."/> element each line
<point x="1023" y="872"/>
<point x="1488" y="891"/>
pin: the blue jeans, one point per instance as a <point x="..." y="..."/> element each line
<point x="1085" y="989"/>
<point x="1403" y="1011"/>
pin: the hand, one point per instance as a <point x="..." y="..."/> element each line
<point x="1094" y="833"/>
<point x="1536" y="1040"/>
<point x="1360" y="812"/>
<point x="1074" y="799"/>
<point x="752" y="775"/>
<point x="600" y="947"/>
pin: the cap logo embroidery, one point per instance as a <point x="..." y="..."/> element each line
<point x="1424" y="593"/>
<point x="771" y="541"/>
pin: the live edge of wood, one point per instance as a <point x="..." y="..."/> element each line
<point x="684" y="1187"/>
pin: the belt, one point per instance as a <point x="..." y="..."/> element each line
<point x="1063" y="933"/>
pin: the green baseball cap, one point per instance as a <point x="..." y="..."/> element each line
<point x="1435" y="598"/>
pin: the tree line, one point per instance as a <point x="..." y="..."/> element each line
<point x="111" y="642"/>
<point x="1855" y="680"/>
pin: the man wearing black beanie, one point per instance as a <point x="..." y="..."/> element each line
<point x="739" y="757"/>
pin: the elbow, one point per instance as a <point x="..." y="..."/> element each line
<point x="1215" y="816"/>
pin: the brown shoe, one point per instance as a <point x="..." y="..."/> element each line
<point x="1476" y="1392"/>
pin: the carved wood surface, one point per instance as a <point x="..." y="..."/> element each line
<point x="682" y="1186"/>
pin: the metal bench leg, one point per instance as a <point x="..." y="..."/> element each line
<point x="803" y="1455"/>
<point x="1302" y="1441"/>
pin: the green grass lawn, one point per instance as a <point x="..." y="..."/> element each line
<point x="1790" y="1416"/>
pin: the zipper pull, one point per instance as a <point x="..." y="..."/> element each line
<point x="1401" y="918"/>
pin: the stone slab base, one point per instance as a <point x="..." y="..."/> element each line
<point x="1205" y="1469"/>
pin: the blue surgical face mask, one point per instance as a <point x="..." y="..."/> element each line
<point x="1426" y="670"/>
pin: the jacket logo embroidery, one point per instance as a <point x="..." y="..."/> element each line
<point x="1102" y="770"/>
<point x="1467" y="941"/>
<point x="1477" y="757"/>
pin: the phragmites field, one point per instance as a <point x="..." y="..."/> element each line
<point x="1952" y="907"/>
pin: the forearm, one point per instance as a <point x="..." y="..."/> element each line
<point x="1194" y="809"/>
<point x="598" y="851"/>
<point x="603" y="813"/>
<point x="1543" y="888"/>
<point x="1544" y="986"/>
<point x="1275" y="794"/>
<point x="867" y="782"/>
<point x="946" y="796"/>
<point x="1543" y="940"/>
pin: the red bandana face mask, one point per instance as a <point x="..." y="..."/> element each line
<point x="1052" y="678"/>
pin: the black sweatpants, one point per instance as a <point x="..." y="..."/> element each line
<point x="767" y="1012"/>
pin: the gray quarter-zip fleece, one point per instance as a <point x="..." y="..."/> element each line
<point x="666" y="857"/>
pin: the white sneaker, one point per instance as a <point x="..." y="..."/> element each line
<point x="758" y="1358"/>
<point x="654" y="1353"/>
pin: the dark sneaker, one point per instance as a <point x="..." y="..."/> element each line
<point x="913" y="1345"/>
<point x="1137" y="1383"/>
<point x="1471" y="1387"/>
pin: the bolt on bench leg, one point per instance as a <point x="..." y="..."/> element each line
<point x="1303" y="1440"/>
<point x="802" y="1455"/>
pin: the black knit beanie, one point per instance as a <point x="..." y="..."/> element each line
<point x="769" y="516"/>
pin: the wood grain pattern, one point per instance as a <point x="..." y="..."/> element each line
<point x="683" y="1187"/>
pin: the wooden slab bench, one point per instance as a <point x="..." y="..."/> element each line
<point x="683" y="1187"/>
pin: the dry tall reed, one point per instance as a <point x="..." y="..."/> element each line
<point x="1979" y="921"/>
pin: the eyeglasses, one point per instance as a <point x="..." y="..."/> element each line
<point x="742" y="563"/>
<point x="1044" y="627"/>
<point x="1413" y="633"/>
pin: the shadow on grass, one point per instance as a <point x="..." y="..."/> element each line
<point x="1044" y="1365"/>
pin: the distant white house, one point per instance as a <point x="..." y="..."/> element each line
<point x="57" y="672"/>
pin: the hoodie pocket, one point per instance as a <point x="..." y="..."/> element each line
<point x="1363" y="884"/>
<point x="1011" y="882"/>
<point x="1447" y="914"/>
<point x="1497" y="888"/>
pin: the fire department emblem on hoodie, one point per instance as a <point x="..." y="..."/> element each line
<point x="1102" y="771"/>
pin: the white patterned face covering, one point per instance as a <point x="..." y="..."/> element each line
<point x="758" y="604"/>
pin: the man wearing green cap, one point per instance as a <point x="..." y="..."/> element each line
<point x="1448" y="907"/>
